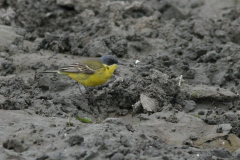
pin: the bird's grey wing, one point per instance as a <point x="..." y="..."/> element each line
<point x="78" y="68"/>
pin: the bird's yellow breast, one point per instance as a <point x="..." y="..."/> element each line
<point x="99" y="77"/>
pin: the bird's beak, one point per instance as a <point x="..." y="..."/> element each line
<point x="119" y="63"/>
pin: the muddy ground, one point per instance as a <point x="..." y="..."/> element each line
<point x="177" y="97"/>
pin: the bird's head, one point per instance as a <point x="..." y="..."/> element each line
<point x="109" y="60"/>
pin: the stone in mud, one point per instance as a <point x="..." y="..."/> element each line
<point x="210" y="92"/>
<point x="148" y="104"/>
<point x="117" y="121"/>
<point x="66" y="3"/>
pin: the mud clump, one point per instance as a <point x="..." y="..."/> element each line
<point x="15" y="145"/>
<point x="15" y="94"/>
<point x="157" y="86"/>
<point x="75" y="140"/>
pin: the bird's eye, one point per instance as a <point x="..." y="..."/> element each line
<point x="107" y="67"/>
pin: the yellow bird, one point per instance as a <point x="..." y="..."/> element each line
<point x="90" y="72"/>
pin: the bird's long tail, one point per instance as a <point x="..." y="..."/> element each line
<point x="53" y="71"/>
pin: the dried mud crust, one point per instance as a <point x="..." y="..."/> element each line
<point x="160" y="114"/>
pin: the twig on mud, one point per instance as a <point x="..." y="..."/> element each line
<point x="180" y="80"/>
<point x="119" y="79"/>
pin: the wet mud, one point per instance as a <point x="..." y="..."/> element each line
<point x="176" y="97"/>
